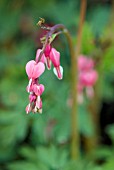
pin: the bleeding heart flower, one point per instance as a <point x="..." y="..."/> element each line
<point x="32" y="98"/>
<point x="34" y="70"/>
<point x="43" y="60"/>
<point x="47" y="55"/>
<point x="47" y="50"/>
<point x="89" y="78"/>
<point x="38" y="89"/>
<point x="38" y="102"/>
<point x="55" y="58"/>
<point x="85" y="63"/>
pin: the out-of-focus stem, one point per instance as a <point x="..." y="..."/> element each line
<point x="75" y="53"/>
<point x="74" y="72"/>
<point x="79" y="35"/>
<point x="75" y="146"/>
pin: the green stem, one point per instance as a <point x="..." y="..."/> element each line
<point x="74" y="128"/>
<point x="74" y="115"/>
<point x="80" y="29"/>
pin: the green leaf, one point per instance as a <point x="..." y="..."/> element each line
<point x="22" y="165"/>
<point x="86" y="126"/>
<point x="99" y="17"/>
<point x="109" y="165"/>
<point x="52" y="156"/>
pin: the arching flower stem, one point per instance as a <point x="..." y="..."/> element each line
<point x="58" y="29"/>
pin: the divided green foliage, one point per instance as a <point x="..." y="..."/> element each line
<point x="50" y="157"/>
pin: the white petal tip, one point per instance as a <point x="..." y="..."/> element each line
<point x="58" y="72"/>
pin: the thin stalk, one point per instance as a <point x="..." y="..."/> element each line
<point x="59" y="28"/>
<point x="74" y="114"/>
<point x="80" y="29"/>
<point x="74" y="70"/>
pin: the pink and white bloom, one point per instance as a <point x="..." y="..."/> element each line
<point x="55" y="58"/>
<point x="34" y="69"/>
<point x="87" y="77"/>
<point x="43" y="60"/>
<point x="38" y="89"/>
<point x="35" y="104"/>
<point x="32" y="97"/>
<point x="38" y="103"/>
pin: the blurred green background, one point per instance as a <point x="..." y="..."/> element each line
<point x="42" y="142"/>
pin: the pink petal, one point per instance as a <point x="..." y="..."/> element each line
<point x="89" y="78"/>
<point x="38" y="70"/>
<point x="30" y="68"/>
<point x="48" y="63"/>
<point x="38" y="89"/>
<point x="37" y="56"/>
<point x="34" y="70"/>
<point x="42" y="88"/>
<point x="85" y="63"/>
<point x="28" y="108"/>
<point x="55" y="57"/>
<point x="47" y="50"/>
<point x="32" y="98"/>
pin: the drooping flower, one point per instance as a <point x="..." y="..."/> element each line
<point x="35" y="102"/>
<point x="34" y="69"/>
<point x="47" y="55"/>
<point x="85" y="63"/>
<point x="55" y="58"/>
<point x="38" y="89"/>
<point x="38" y="103"/>
<point x="87" y="77"/>
<point x="32" y="97"/>
<point x="58" y="71"/>
<point x="37" y="56"/>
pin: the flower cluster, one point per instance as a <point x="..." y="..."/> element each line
<point x="87" y="77"/>
<point x="35" y="69"/>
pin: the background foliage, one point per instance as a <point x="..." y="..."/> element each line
<point x="42" y="142"/>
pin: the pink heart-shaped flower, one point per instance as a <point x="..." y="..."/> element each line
<point x="38" y="89"/>
<point x="34" y="70"/>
